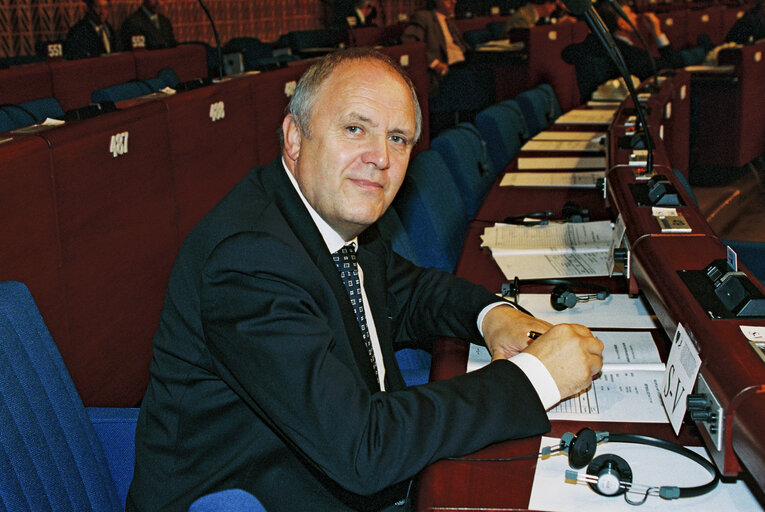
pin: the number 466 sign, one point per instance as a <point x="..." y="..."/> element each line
<point x="680" y="376"/>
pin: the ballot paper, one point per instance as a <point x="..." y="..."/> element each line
<point x="650" y="466"/>
<point x="627" y="390"/>
<point x="582" y="179"/>
<point x="596" y="116"/>
<point x="561" y="162"/>
<point x="553" y="250"/>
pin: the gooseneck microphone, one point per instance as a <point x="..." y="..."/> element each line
<point x="217" y="39"/>
<point x="623" y="15"/>
<point x="598" y="28"/>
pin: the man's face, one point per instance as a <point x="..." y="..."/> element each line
<point x="446" y="6"/>
<point x="151" y="5"/>
<point x="99" y="10"/>
<point x="362" y="132"/>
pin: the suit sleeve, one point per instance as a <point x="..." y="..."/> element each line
<point x="274" y="338"/>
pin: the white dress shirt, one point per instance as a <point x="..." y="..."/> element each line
<point x="536" y="372"/>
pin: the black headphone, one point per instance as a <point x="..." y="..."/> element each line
<point x="562" y="296"/>
<point x="571" y="212"/>
<point x="611" y="475"/>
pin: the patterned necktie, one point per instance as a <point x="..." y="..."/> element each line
<point x="345" y="261"/>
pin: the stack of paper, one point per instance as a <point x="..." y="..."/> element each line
<point x="566" y="162"/>
<point x="552" y="250"/>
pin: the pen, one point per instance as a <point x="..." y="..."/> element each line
<point x="533" y="335"/>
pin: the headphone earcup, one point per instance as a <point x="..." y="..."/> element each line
<point x="613" y="473"/>
<point x="582" y="448"/>
<point x="562" y="297"/>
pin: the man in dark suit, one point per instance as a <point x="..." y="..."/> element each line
<point x="593" y="65"/>
<point x="147" y="21"/>
<point x="444" y="43"/>
<point x="92" y="35"/>
<point x="274" y="367"/>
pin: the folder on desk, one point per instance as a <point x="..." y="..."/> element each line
<point x="568" y="135"/>
<point x="587" y="179"/>
<point x="587" y="116"/>
<point x="568" y="162"/>
<point x="585" y="146"/>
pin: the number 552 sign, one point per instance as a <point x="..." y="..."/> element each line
<point x="680" y="376"/>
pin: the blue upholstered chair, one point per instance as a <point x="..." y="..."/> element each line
<point x="503" y="128"/>
<point x="432" y="211"/>
<point x="231" y="500"/>
<point x="540" y="107"/>
<point x="56" y="454"/>
<point x="467" y="157"/>
<point x="29" y="113"/>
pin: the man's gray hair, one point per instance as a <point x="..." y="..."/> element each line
<point x="302" y="103"/>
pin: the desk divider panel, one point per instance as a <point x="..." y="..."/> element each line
<point x="213" y="144"/>
<point x="189" y="61"/>
<point x="26" y="82"/>
<point x="116" y="212"/>
<point x="544" y="44"/>
<point x="707" y="21"/>
<point x="31" y="251"/>
<point x="75" y="80"/>
<point x="271" y="92"/>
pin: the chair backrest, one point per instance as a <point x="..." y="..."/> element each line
<point x="119" y="92"/>
<point x="539" y="106"/>
<point x="503" y="128"/>
<point x="467" y="157"/>
<point x="432" y="211"/>
<point x="51" y="458"/>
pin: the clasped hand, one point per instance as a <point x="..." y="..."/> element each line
<point x="570" y="352"/>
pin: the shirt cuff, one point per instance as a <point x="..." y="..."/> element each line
<point x="540" y="378"/>
<point x="488" y="308"/>
<point x="662" y="40"/>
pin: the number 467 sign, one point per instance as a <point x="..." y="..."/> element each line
<point x="680" y="376"/>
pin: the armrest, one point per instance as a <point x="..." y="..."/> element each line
<point x="231" y="500"/>
<point x="115" y="428"/>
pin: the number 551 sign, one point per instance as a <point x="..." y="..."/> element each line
<point x="680" y="376"/>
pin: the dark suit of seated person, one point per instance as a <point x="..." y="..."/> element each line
<point x="444" y="44"/>
<point x="355" y="13"/>
<point x="750" y="27"/>
<point x="275" y="373"/>
<point x="593" y="65"/>
<point x="92" y="35"/>
<point x="538" y="12"/>
<point x="150" y="23"/>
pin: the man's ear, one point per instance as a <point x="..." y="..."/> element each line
<point x="292" y="137"/>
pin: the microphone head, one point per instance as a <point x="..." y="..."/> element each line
<point x="577" y="7"/>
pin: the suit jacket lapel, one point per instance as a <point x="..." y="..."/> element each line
<point x="277" y="183"/>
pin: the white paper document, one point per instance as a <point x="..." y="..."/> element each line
<point x="622" y="351"/>
<point x="587" y="116"/>
<point x="618" y="396"/>
<point x="569" y="135"/>
<point x="563" y="162"/>
<point x="650" y="466"/>
<point x="552" y="250"/>
<point x="628" y="389"/>
<point x="587" y="146"/>
<point x="582" y="179"/>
